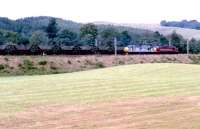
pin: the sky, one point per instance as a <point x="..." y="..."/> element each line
<point x="118" y="11"/>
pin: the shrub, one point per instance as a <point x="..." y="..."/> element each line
<point x="6" y="71"/>
<point x="55" y="72"/>
<point x="2" y="67"/>
<point x="169" y="59"/>
<point x="6" y="59"/>
<point x="78" y="61"/>
<point x="20" y="65"/>
<point x="141" y="62"/>
<point x="100" y="65"/>
<point x="27" y="64"/>
<point x="121" y="62"/>
<point x="42" y="62"/>
<point x="53" y="67"/>
<point x="69" y="62"/>
<point x="6" y="66"/>
<point x="156" y="61"/>
<point x="194" y="59"/>
<point x="88" y="62"/>
<point x="11" y="67"/>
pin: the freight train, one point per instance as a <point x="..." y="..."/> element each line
<point x="13" y="49"/>
<point x="151" y="49"/>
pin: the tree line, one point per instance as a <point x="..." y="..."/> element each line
<point x="49" y="30"/>
<point x="54" y="31"/>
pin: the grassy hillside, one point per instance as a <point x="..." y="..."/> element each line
<point x="186" y="33"/>
<point x="143" y="96"/>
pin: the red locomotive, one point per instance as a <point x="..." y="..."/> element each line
<point x="167" y="49"/>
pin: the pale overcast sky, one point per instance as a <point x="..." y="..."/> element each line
<point x="119" y="11"/>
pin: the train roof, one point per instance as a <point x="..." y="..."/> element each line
<point x="67" y="47"/>
<point x="21" y="47"/>
<point x="45" y="47"/>
<point x="25" y="47"/>
<point x="2" y="47"/>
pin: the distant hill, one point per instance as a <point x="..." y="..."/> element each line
<point x="192" y="24"/>
<point x="185" y="32"/>
<point x="30" y="24"/>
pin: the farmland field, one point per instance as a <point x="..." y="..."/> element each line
<point x="142" y="96"/>
<point x="185" y="32"/>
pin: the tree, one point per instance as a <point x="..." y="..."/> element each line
<point x="125" y="38"/>
<point x="67" y="37"/>
<point x="164" y="40"/>
<point x="87" y="40"/>
<point x="157" y="34"/>
<point x="194" y="46"/>
<point x="38" y="38"/>
<point x="52" y="29"/>
<point x="24" y="40"/>
<point x="89" y="30"/>
<point x="2" y="38"/>
<point x="178" y="41"/>
<point x="175" y="38"/>
<point x="107" y="37"/>
<point x="12" y="37"/>
<point x="109" y="33"/>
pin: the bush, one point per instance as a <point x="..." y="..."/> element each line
<point x="6" y="59"/>
<point x="2" y="67"/>
<point x="121" y="62"/>
<point x="42" y="62"/>
<point x="27" y="64"/>
<point x="20" y="65"/>
<point x="53" y="68"/>
<point x="194" y="59"/>
<point x="141" y="62"/>
<point x="69" y="62"/>
<point x="100" y="65"/>
<point x="12" y="68"/>
<point x="88" y="62"/>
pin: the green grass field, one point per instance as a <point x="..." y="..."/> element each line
<point x="142" y="96"/>
<point x="16" y="93"/>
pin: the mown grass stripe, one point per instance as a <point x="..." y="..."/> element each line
<point x="103" y="84"/>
